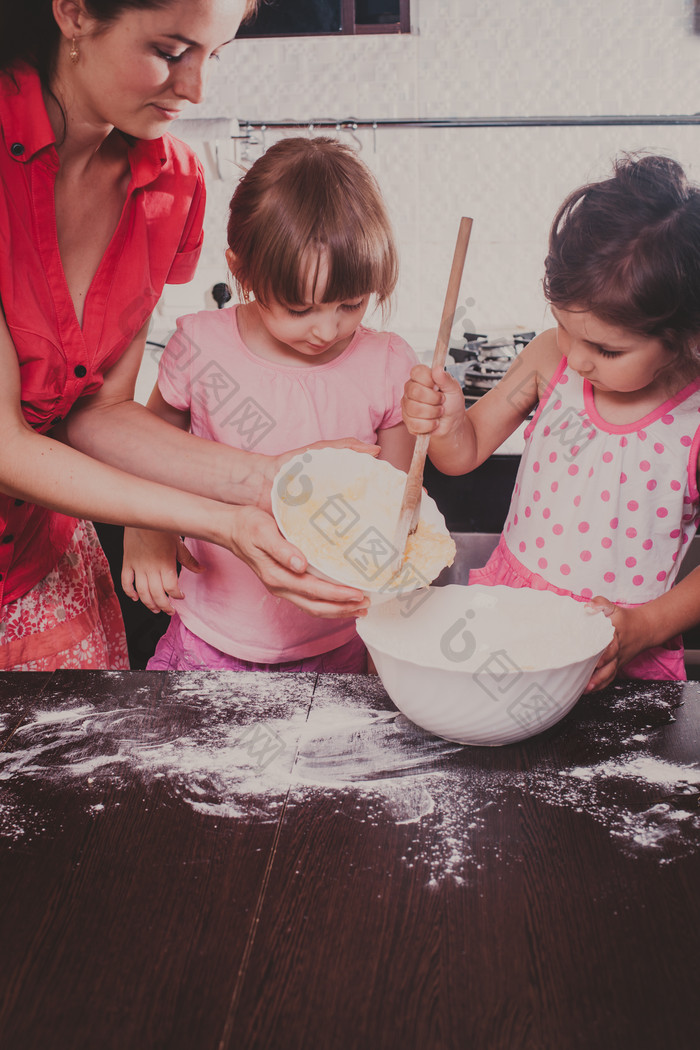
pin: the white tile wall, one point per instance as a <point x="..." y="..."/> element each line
<point x="466" y="58"/>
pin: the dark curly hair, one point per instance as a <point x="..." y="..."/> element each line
<point x="628" y="250"/>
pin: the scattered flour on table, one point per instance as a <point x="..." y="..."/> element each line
<point x="376" y="765"/>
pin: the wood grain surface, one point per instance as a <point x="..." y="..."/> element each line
<point x="283" y="861"/>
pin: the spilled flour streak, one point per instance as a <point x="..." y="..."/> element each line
<point x="376" y="764"/>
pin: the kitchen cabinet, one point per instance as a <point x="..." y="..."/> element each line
<point x="475" y="502"/>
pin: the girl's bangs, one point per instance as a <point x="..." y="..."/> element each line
<point x="355" y="267"/>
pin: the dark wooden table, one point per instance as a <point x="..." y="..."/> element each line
<point x="215" y="861"/>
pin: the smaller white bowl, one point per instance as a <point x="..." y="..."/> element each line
<point x="485" y="665"/>
<point x="341" y="509"/>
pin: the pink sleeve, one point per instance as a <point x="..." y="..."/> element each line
<point x="400" y="360"/>
<point x="185" y="262"/>
<point x="175" y="367"/>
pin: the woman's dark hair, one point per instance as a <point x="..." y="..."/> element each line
<point x="29" y="33"/>
<point x="628" y="250"/>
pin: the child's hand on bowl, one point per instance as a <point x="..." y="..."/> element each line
<point x="631" y="638"/>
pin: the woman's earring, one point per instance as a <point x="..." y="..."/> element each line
<point x="74" y="53"/>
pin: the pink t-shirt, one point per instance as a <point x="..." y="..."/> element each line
<point x="249" y="403"/>
<point x="602" y="508"/>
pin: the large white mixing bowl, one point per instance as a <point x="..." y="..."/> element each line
<point x="485" y="665"/>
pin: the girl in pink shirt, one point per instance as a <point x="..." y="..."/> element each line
<point x="292" y="365"/>
<point x="606" y="499"/>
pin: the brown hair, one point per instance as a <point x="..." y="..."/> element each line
<point x="304" y="195"/>
<point x="628" y="250"/>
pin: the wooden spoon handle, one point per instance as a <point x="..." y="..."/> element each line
<point x="414" y="482"/>
<point x="448" y="311"/>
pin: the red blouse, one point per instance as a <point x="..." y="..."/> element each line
<point x="158" y="240"/>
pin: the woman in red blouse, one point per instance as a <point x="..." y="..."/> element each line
<point x="99" y="208"/>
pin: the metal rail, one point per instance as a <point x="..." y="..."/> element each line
<point x="354" y="123"/>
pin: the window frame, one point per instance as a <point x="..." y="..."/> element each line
<point x="349" y="24"/>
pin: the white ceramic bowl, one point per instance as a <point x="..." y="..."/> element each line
<point x="485" y="665"/>
<point x="341" y="509"/>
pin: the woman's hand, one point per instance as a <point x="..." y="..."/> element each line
<point x="149" y="568"/>
<point x="255" y="538"/>
<point x="631" y="637"/>
<point x="433" y="402"/>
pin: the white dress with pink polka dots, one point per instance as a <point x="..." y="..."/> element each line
<point x="600" y="508"/>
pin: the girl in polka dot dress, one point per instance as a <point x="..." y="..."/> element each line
<point x="606" y="498"/>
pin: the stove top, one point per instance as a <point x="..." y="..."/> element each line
<point x="481" y="361"/>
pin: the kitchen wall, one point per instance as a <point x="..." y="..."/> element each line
<point x="464" y="58"/>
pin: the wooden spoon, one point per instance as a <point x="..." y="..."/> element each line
<point x="410" y="506"/>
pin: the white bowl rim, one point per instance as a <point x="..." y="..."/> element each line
<point x="361" y="626"/>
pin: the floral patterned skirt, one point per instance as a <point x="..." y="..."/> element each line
<point x="70" y="619"/>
